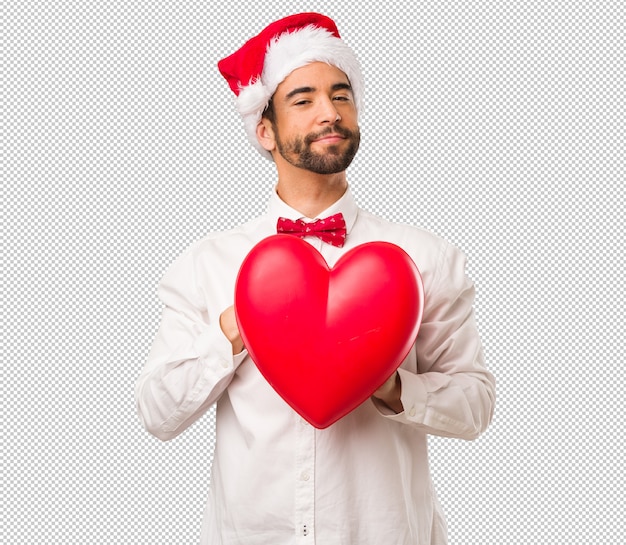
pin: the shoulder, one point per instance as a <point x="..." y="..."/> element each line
<point x="416" y="241"/>
<point x="219" y="241"/>
<point x="218" y="249"/>
<point x="438" y="260"/>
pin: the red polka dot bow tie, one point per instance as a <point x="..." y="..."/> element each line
<point x="331" y="230"/>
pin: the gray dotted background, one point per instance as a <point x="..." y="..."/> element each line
<point x="497" y="124"/>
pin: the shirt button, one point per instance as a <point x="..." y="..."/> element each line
<point x="412" y="411"/>
<point x="305" y="476"/>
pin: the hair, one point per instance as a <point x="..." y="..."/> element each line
<point x="269" y="113"/>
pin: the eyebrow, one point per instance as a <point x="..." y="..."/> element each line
<point x="302" y="90"/>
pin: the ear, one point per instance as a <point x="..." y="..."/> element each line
<point x="265" y="135"/>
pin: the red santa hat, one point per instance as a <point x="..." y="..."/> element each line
<point x="263" y="62"/>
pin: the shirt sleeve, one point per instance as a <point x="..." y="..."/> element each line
<point x="452" y="394"/>
<point x="190" y="363"/>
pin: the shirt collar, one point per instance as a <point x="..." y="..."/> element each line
<point x="346" y="205"/>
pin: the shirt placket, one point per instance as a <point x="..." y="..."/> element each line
<point x="305" y="455"/>
<point x="305" y="483"/>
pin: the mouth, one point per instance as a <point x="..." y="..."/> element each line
<point x="333" y="138"/>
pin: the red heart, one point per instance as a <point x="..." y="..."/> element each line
<point x="326" y="339"/>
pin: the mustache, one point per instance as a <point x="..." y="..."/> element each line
<point x="342" y="131"/>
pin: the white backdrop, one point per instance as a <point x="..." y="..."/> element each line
<point x="497" y="124"/>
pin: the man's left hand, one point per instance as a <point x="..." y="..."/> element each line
<point x="389" y="393"/>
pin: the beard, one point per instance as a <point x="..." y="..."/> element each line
<point x="298" y="152"/>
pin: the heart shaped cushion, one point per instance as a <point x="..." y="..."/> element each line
<point x="326" y="338"/>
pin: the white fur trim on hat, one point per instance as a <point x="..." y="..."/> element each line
<point x="285" y="54"/>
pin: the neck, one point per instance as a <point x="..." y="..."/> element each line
<point x="310" y="193"/>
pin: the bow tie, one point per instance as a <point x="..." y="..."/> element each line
<point x="331" y="230"/>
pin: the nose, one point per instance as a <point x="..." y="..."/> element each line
<point x="328" y="114"/>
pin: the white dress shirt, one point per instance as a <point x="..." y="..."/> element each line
<point x="276" y="480"/>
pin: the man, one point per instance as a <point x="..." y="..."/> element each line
<point x="276" y="480"/>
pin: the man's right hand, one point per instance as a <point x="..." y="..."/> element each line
<point x="228" y="323"/>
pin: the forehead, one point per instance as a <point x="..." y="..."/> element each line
<point x="316" y="75"/>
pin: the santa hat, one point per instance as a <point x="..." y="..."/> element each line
<point x="255" y="71"/>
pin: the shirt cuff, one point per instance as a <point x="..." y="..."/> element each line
<point x="413" y="398"/>
<point x="215" y="349"/>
